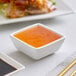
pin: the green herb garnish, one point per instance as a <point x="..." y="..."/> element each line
<point x="2" y="8"/>
<point x="53" y="2"/>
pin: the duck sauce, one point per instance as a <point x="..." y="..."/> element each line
<point x="37" y="36"/>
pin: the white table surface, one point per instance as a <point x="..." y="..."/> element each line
<point x="66" y="25"/>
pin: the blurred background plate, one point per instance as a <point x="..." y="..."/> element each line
<point x="62" y="9"/>
<point x="72" y="4"/>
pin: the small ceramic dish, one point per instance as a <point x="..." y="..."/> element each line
<point x="9" y="66"/>
<point x="45" y="47"/>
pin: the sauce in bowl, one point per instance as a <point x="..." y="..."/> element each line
<point x="37" y="36"/>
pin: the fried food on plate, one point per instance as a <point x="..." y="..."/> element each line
<point x="21" y="8"/>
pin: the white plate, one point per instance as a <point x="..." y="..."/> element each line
<point x="11" y="62"/>
<point x="62" y="9"/>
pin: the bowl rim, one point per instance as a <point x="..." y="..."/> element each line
<point x="3" y="56"/>
<point x="37" y="24"/>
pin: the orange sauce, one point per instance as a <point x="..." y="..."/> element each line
<point x="37" y="36"/>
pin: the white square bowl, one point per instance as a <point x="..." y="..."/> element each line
<point x="12" y="63"/>
<point x="37" y="53"/>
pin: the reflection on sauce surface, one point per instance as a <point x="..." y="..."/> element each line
<point x="37" y="36"/>
<point x="5" y="68"/>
